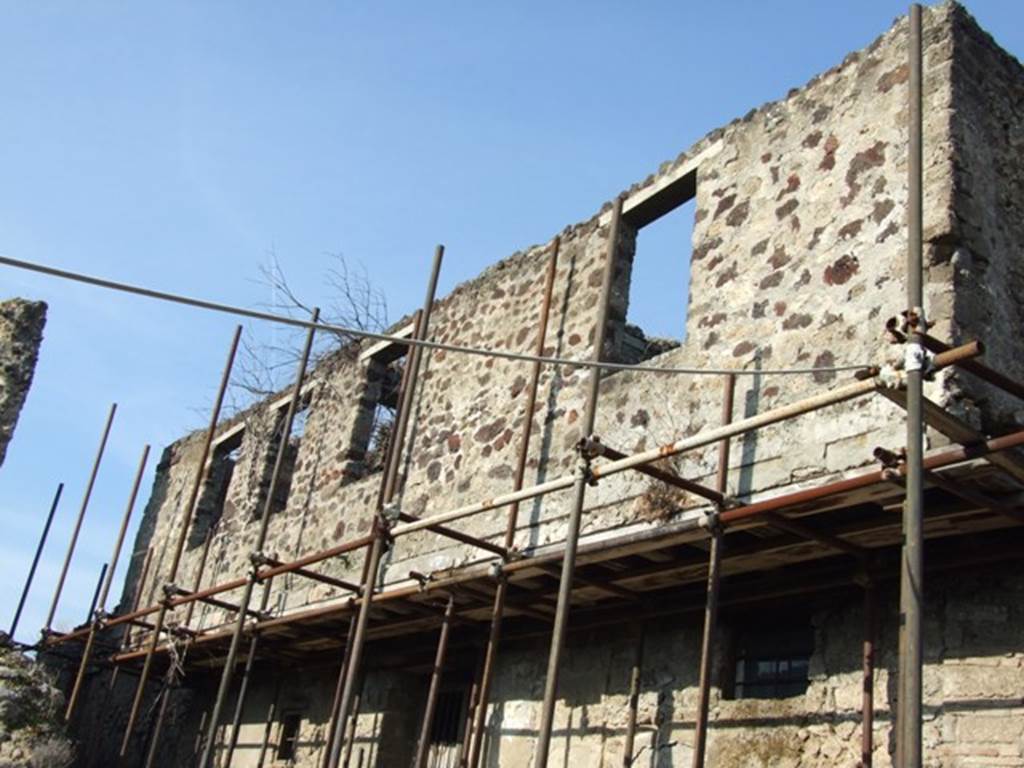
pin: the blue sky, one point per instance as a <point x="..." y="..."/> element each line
<point x="178" y="144"/>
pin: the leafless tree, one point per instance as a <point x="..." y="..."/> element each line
<point x="266" y="362"/>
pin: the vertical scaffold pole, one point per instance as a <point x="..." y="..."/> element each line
<point x="105" y="589"/>
<point x="353" y="666"/>
<point x="479" y="723"/>
<point x="171" y="684"/>
<point x="187" y="513"/>
<point x="261" y="538"/>
<point x="912" y="562"/>
<point x="547" y="714"/>
<point x="634" y="699"/>
<point x="707" y="648"/>
<point x="868" y="701"/>
<point x="136" y="599"/>
<point x="332" y="723"/>
<point x="423" y="746"/>
<point x="78" y="521"/>
<point x="35" y="560"/>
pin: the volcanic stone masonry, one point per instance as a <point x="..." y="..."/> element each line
<point x="21" y="333"/>
<point x="798" y="256"/>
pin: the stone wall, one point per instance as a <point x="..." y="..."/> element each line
<point x="21" y="333"/>
<point x="798" y="254"/>
<point x="974" y="673"/>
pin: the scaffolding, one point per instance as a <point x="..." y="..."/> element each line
<point x="539" y="587"/>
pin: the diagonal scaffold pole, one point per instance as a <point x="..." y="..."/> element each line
<point x="261" y="539"/>
<point x="912" y="560"/>
<point x="97" y="619"/>
<point x="179" y="547"/>
<point x="581" y="479"/>
<point x="332" y="723"/>
<point x="78" y="521"/>
<point x="707" y="648"/>
<point x="35" y="561"/>
<point x="501" y="592"/>
<point x="352" y="666"/>
<point x="136" y="599"/>
<point x="423" y="745"/>
<point x="171" y="683"/>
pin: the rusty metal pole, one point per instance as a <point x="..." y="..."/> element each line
<point x="470" y="719"/>
<point x="158" y="727"/>
<point x="243" y="685"/>
<point x="353" y="667"/>
<point x="96" y="592"/>
<point x="634" y="699"/>
<point x="187" y="514"/>
<point x="271" y="712"/>
<point x="197" y="582"/>
<point x="35" y="560"/>
<point x="423" y="746"/>
<point x="912" y="562"/>
<point x="78" y="521"/>
<point x="494" y="636"/>
<point x="332" y="723"/>
<point x="582" y="478"/>
<point x="353" y="723"/>
<point x="261" y="538"/>
<point x="135" y="606"/>
<point x="868" y="702"/>
<point x="707" y="648"/>
<point x="97" y="618"/>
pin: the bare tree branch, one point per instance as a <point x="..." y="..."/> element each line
<point x="265" y="366"/>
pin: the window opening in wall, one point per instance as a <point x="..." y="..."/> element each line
<point x="446" y="730"/>
<point x="386" y="369"/>
<point x="659" y="277"/>
<point x="226" y="453"/>
<point x="295" y="436"/>
<point x="772" y="663"/>
<point x="288" y="742"/>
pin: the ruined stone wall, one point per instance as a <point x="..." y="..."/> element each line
<point x="798" y="259"/>
<point x="981" y="254"/>
<point x="21" y="333"/>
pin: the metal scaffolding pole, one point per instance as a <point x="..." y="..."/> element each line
<point x="197" y="582"/>
<point x="97" y="618"/>
<point x="96" y="592"/>
<point x="423" y="746"/>
<point x="479" y="722"/>
<point x="912" y="562"/>
<point x="78" y="521"/>
<point x="332" y="722"/>
<point x="243" y="685"/>
<point x="380" y="526"/>
<point x="707" y="648"/>
<point x="35" y="560"/>
<point x="261" y="538"/>
<point x="158" y="727"/>
<point x="187" y="514"/>
<point x="634" y="699"/>
<point x="135" y="606"/>
<point x="581" y="479"/>
<point x="868" y="701"/>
